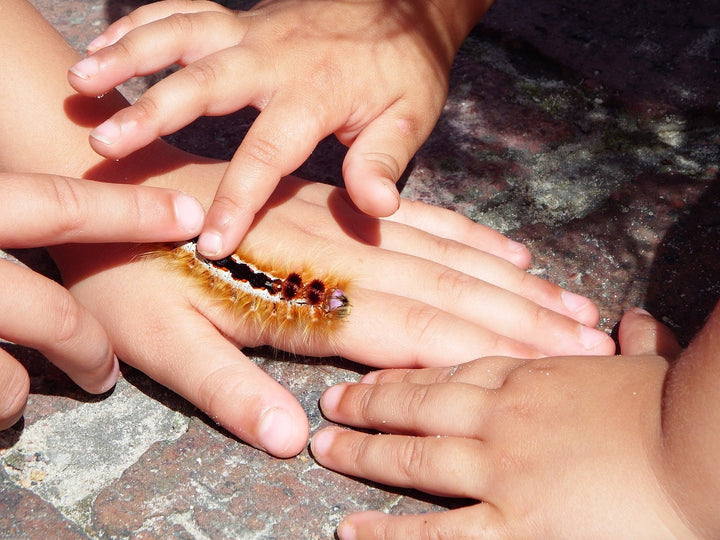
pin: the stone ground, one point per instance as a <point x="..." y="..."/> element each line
<point x="589" y="133"/>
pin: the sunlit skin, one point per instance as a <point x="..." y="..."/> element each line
<point x="186" y="343"/>
<point x="39" y="313"/>
<point x="382" y="104"/>
<point x="618" y="446"/>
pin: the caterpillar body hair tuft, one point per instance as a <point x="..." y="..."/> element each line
<point x="277" y="303"/>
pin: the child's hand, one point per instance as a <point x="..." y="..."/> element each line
<point x="42" y="210"/>
<point x="417" y="300"/>
<point x="373" y="72"/>
<point x="554" y="448"/>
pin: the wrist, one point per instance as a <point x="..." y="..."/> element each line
<point x="459" y="17"/>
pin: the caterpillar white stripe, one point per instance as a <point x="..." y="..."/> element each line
<point x="272" y="301"/>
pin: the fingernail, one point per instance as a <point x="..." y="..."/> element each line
<point x="331" y="397"/>
<point x="516" y="246"/>
<point x="641" y="311"/>
<point x="209" y="244"/>
<point x="86" y="68"/>
<point x="275" y="434"/>
<point x="346" y="531"/>
<point x="371" y="377"/>
<point x="96" y="44"/>
<point x="394" y="194"/>
<point x="322" y="441"/>
<point x="189" y="213"/>
<point x="107" y="133"/>
<point x="574" y="302"/>
<point x="591" y="338"/>
<point x="112" y="378"/>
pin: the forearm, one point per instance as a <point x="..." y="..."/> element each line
<point x="691" y="418"/>
<point x="37" y="132"/>
<point x="45" y="125"/>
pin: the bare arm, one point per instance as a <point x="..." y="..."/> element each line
<point x="691" y="417"/>
<point x="44" y="124"/>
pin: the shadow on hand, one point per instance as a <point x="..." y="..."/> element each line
<point x="684" y="280"/>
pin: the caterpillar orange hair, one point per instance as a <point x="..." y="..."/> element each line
<point x="273" y="301"/>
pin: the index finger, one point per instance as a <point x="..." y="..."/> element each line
<point x="42" y="210"/>
<point x="147" y="14"/>
<point x="280" y="139"/>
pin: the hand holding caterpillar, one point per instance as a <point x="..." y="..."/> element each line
<point x="417" y="299"/>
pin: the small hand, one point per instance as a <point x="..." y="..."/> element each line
<point x="41" y="210"/>
<point x="374" y="73"/>
<point x="554" y="447"/>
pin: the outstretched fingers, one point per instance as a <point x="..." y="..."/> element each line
<point x="407" y="408"/>
<point x="416" y="335"/>
<point x="502" y="310"/>
<point x="149" y="48"/>
<point x="146" y="14"/>
<point x="75" y="210"/>
<point x="483" y="519"/>
<point x="446" y="224"/>
<point x="437" y="465"/>
<point x="204" y="87"/>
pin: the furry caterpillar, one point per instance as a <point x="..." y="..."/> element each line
<point x="274" y="303"/>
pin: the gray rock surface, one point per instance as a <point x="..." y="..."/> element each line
<point x="590" y="133"/>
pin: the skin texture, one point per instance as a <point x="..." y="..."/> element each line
<point x="554" y="448"/>
<point x="186" y="343"/>
<point x="382" y="105"/>
<point x="566" y="446"/>
<point x="39" y="313"/>
<point x="236" y="393"/>
<point x="562" y="446"/>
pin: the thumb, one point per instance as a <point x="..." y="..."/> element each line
<point x="641" y="334"/>
<point x="377" y="158"/>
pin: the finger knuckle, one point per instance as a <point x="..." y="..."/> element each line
<point x="454" y="285"/>
<point x="261" y="151"/>
<point x="412" y="458"/>
<point x="366" y="403"/>
<point x="387" y="163"/>
<point x="232" y="205"/>
<point x="121" y="51"/>
<point x="444" y="249"/>
<point x="203" y="74"/>
<point x="541" y="317"/>
<point x="456" y="288"/>
<point x="414" y="401"/>
<point x="525" y="395"/>
<point x="138" y="212"/>
<point x="67" y="325"/>
<point x="216" y="389"/>
<point x="145" y="110"/>
<point x="422" y="325"/>
<point x="180" y="24"/>
<point x="135" y="18"/>
<point x="72" y="208"/>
